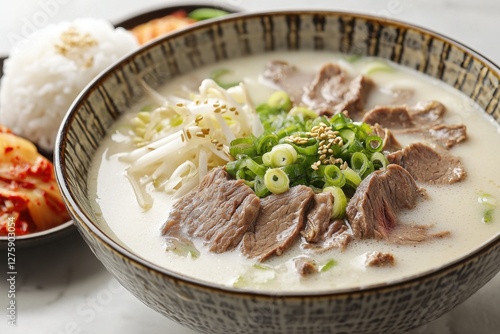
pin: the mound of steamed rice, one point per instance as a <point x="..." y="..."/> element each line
<point x="47" y="71"/>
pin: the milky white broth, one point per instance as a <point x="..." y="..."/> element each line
<point x="453" y="208"/>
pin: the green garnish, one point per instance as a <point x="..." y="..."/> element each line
<point x="276" y="180"/>
<point x="217" y="76"/>
<point x="182" y="247"/>
<point x="377" y="66"/>
<point x="488" y="204"/>
<point x="329" y="154"/>
<point x="261" y="266"/>
<point x="328" y="265"/>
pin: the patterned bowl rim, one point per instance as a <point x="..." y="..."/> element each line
<point x="85" y="222"/>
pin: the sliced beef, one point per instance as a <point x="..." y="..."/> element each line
<point x="413" y="234"/>
<point x="288" y="78"/>
<point x="219" y="211"/>
<point x="392" y="117"/>
<point x="305" y="266"/>
<point x="420" y="116"/>
<point x="427" y="112"/>
<point x="278" y="224"/>
<point x="390" y="142"/>
<point x="318" y="217"/>
<point x="320" y="233"/>
<point x="427" y="165"/>
<point x="372" y="211"/>
<point x="332" y="92"/>
<point x="448" y="135"/>
<point x="337" y="235"/>
<point x="379" y="259"/>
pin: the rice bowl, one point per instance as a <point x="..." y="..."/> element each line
<point x="45" y="72"/>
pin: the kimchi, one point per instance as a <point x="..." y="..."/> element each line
<point x="29" y="196"/>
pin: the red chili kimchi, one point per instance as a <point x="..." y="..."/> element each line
<point x="30" y="200"/>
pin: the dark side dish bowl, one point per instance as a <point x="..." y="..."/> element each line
<point x="395" y="307"/>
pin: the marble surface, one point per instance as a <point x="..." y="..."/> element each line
<point x="62" y="288"/>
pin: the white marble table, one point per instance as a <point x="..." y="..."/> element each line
<point x="63" y="288"/>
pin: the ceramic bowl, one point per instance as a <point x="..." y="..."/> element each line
<point x="391" y="308"/>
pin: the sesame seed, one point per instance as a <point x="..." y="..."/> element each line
<point x="217" y="110"/>
<point x="180" y="104"/>
<point x="200" y="134"/>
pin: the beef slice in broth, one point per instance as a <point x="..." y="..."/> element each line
<point x="332" y="92"/>
<point x="327" y="92"/>
<point x="219" y="211"/>
<point x="372" y="211"/>
<point x="389" y="142"/>
<point x="427" y="165"/>
<point x="448" y="135"/>
<point x="288" y="78"/>
<point x="318" y="217"/>
<point x="279" y="223"/>
<point x="321" y="233"/>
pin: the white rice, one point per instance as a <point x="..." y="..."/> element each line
<point x="47" y="71"/>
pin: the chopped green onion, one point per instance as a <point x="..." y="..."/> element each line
<point x="311" y="148"/>
<point x="260" y="187"/>
<point x="283" y="155"/>
<point x="488" y="203"/>
<point x="280" y="100"/>
<point x="261" y="266"/>
<point x="339" y="201"/>
<point x="348" y="136"/>
<point x="370" y="169"/>
<point x="359" y="162"/>
<point x="303" y="111"/>
<point x="379" y="160"/>
<point x="488" y="216"/>
<point x="294" y="171"/>
<point x="376" y="67"/>
<point x="217" y="77"/>
<point x="328" y="265"/>
<point x="276" y="180"/>
<point x="352" y="178"/>
<point x="374" y="144"/>
<point x="254" y="167"/>
<point x="352" y="58"/>
<point x="243" y="146"/>
<point x="333" y="176"/>
<point x="318" y="152"/>
<point x="200" y="14"/>
<point x="266" y="142"/>
<point x="182" y="247"/>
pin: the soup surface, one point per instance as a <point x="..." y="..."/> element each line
<point x="453" y="208"/>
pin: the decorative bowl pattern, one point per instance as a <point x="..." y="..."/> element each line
<point x="393" y="308"/>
